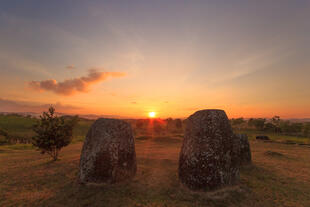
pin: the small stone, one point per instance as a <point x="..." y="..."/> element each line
<point x="108" y="154"/>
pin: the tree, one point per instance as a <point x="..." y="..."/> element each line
<point x="237" y="122"/>
<point x="140" y="124"/>
<point x="169" y="124"/>
<point x="53" y="132"/>
<point x="306" y="129"/>
<point x="257" y="123"/>
<point x="4" y="136"/>
<point x="291" y="128"/>
<point x="178" y="123"/>
<point x="285" y="126"/>
<point x="270" y="127"/>
<point x="296" y="128"/>
<point x="157" y="127"/>
<point x="276" y="122"/>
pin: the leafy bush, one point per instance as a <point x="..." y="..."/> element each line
<point x="4" y="136"/>
<point x="53" y="133"/>
<point x="257" y="123"/>
<point x="306" y="130"/>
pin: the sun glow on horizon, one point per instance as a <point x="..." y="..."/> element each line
<point x="152" y="114"/>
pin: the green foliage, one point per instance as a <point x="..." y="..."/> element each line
<point x="237" y="121"/>
<point x="291" y="128"/>
<point x="273" y="125"/>
<point x="140" y="124"/>
<point x="18" y="128"/>
<point x="174" y="125"/>
<point x="157" y="127"/>
<point x="276" y="122"/>
<point x="53" y="133"/>
<point x="4" y="137"/>
<point x="257" y="123"/>
<point x="270" y="127"/>
<point x="306" y="129"/>
<point x="3" y="133"/>
<point x="178" y="123"/>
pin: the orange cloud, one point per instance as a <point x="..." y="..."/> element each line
<point x="70" y="67"/>
<point x="72" y="86"/>
<point x="7" y="105"/>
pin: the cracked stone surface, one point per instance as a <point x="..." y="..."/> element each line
<point x="108" y="154"/>
<point x="209" y="154"/>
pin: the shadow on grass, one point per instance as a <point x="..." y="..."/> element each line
<point x="258" y="187"/>
<point x="160" y="139"/>
<point x="167" y="140"/>
<point x="135" y="193"/>
<point x="156" y="184"/>
<point x="277" y="155"/>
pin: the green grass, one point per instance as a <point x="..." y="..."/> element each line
<point x="275" y="137"/>
<point x="18" y="147"/>
<point x="17" y="126"/>
<point x="21" y="127"/>
<point x="81" y="129"/>
<point x="28" y="178"/>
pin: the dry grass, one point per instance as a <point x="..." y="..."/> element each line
<point x="279" y="176"/>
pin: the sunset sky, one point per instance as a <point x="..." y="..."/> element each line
<point x="127" y="58"/>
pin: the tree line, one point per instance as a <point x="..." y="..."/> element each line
<point x="274" y="125"/>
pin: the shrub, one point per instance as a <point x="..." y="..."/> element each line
<point x="257" y="123"/>
<point x="178" y="123"/>
<point x="53" y="133"/>
<point x="4" y="137"/>
<point x="306" y="130"/>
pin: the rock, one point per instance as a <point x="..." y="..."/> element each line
<point x="262" y="137"/>
<point x="245" y="150"/>
<point x="209" y="154"/>
<point x="108" y="154"/>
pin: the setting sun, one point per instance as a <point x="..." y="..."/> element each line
<point x="152" y="114"/>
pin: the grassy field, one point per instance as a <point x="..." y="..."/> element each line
<point x="279" y="176"/>
<point x="21" y="127"/>
<point x="17" y="126"/>
<point x="275" y="137"/>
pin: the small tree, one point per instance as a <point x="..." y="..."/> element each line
<point x="306" y="129"/>
<point x="53" y="133"/>
<point x="237" y="122"/>
<point x="139" y="124"/>
<point x="4" y="137"/>
<point x="178" y="123"/>
<point x="276" y="122"/>
<point x="258" y="123"/>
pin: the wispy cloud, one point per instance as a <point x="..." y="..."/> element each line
<point x="70" y="67"/>
<point x="72" y="86"/>
<point x="7" y="105"/>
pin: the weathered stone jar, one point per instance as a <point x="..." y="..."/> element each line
<point x="245" y="150"/>
<point x="108" y="154"/>
<point x="208" y="159"/>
